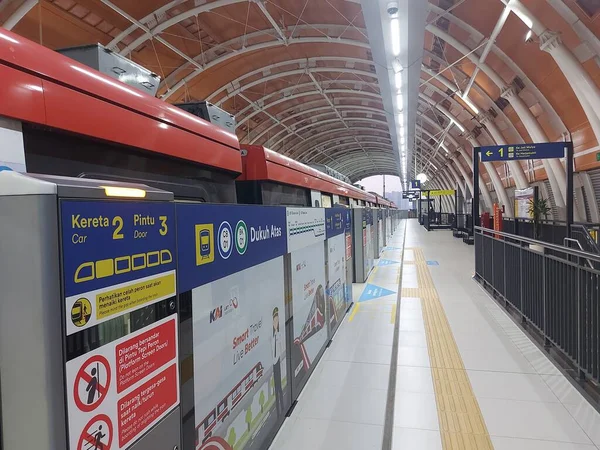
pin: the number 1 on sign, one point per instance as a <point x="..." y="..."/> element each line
<point x="501" y="151"/>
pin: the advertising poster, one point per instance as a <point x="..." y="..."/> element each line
<point x="308" y="296"/>
<point x="523" y="199"/>
<point x="117" y="257"/>
<point x="120" y="391"/>
<point x="305" y="226"/>
<point x="336" y="282"/>
<point x="240" y="357"/>
<point x="231" y="268"/>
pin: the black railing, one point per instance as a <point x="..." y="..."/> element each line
<point x="555" y="290"/>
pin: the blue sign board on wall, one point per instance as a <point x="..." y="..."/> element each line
<point x="415" y="184"/>
<point x="215" y="241"/>
<point x="105" y="243"/>
<point x="348" y="220"/>
<point x="524" y="151"/>
<point x="335" y="219"/>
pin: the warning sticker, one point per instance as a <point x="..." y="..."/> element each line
<point x="130" y="383"/>
<point x="92" y="383"/>
<point x="97" y="434"/>
<point x="142" y="355"/>
<point x="94" y="307"/>
<point x="145" y="403"/>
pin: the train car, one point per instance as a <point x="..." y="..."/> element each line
<point x="270" y="178"/>
<point x="75" y="121"/>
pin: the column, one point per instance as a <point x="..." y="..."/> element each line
<point x="583" y="86"/>
<point x="485" y="192"/>
<point x="554" y="169"/>
<point x="516" y="169"/>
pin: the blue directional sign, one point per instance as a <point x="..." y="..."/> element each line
<point x="373" y="292"/>
<point x="524" y="151"/>
<point x="415" y="184"/>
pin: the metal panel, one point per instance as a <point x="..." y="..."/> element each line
<point x="164" y="436"/>
<point x="32" y="396"/>
<point x="358" y="253"/>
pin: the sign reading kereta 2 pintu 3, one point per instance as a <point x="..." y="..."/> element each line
<point x="117" y="257"/>
<point x="217" y="240"/>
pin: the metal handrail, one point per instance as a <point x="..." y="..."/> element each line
<point x="580" y="247"/>
<point x="547" y="245"/>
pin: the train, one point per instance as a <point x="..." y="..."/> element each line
<point x="72" y="121"/>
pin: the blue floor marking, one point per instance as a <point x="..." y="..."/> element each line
<point x="372" y="292"/>
<point x="387" y="262"/>
<point x="433" y="263"/>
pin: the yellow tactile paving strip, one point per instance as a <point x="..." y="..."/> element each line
<point x="461" y="423"/>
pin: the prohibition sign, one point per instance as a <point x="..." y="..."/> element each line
<point x="97" y="434"/>
<point x="91" y="383"/>
<point x="216" y="443"/>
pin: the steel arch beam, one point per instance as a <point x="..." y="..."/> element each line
<point x="320" y="149"/>
<point x="255" y="47"/>
<point x="296" y="96"/>
<point x="303" y="63"/>
<point x="342" y="148"/>
<point x="320" y="123"/>
<point x="303" y="71"/>
<point x="372" y="151"/>
<point x="358" y="108"/>
<point x="316" y="137"/>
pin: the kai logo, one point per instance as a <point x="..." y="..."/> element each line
<point x="216" y="314"/>
<point x="205" y="244"/>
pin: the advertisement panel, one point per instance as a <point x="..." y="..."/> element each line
<point x="308" y="296"/>
<point x="121" y="390"/>
<point x="117" y="257"/>
<point x="231" y="272"/>
<point x="305" y="226"/>
<point x="240" y="358"/>
<point x="336" y="282"/>
<point x="523" y="199"/>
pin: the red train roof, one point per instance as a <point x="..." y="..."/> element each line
<point x="41" y="86"/>
<point x="262" y="164"/>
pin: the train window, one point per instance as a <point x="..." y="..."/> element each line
<point x="326" y="201"/>
<point x="344" y="200"/>
<point x="55" y="152"/>
<point x="284" y="195"/>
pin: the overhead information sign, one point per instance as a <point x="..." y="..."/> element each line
<point x="415" y="184"/>
<point x="544" y="150"/>
<point x="117" y="257"/>
<point x="335" y="222"/>
<point x="439" y="193"/>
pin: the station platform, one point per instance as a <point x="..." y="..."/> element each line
<point x="438" y="365"/>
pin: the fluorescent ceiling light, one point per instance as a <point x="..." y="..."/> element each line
<point x="400" y="101"/>
<point x="395" y="26"/>
<point x="528" y="35"/>
<point x="433" y="165"/>
<point x="398" y="80"/>
<point x="470" y="104"/>
<point x="445" y="149"/>
<point x="400" y="118"/>
<point x="459" y="126"/>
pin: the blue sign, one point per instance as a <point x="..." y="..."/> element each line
<point x="524" y="151"/>
<point x="335" y="219"/>
<point x="105" y="243"/>
<point x="215" y="241"/>
<point x="373" y="292"/>
<point x="348" y="220"/>
<point x="415" y="184"/>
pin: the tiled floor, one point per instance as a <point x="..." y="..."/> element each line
<point x="525" y="401"/>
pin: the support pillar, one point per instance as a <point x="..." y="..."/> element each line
<point x="515" y="166"/>
<point x="581" y="82"/>
<point x="554" y="169"/>
<point x="487" y="197"/>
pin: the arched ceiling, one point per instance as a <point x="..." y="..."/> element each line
<point x="304" y="77"/>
